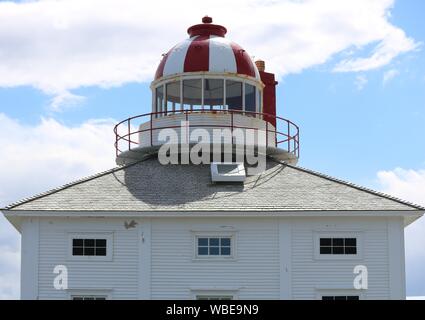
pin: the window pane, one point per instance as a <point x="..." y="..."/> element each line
<point x="350" y="250"/>
<point x="160" y="99"/>
<point x="250" y="98"/>
<point x="340" y="298"/>
<point x="338" y="242"/>
<point x="89" y="251"/>
<point x="327" y="298"/>
<point x="234" y="95"/>
<point x="225" y="251"/>
<point x="213" y="94"/>
<point x="89" y="242"/>
<point x="101" y="243"/>
<point x="351" y="242"/>
<point x="77" y="251"/>
<point x="325" y="250"/>
<point x="173" y="96"/>
<point x="325" y="241"/>
<point x="77" y="242"/>
<point x="101" y="251"/>
<point x="77" y="298"/>
<point x="203" y="251"/>
<point x="352" y="297"/>
<point x="192" y="94"/>
<point x="214" y="241"/>
<point x="225" y="241"/>
<point x="202" y="241"/>
<point x="338" y="250"/>
<point x="259" y="101"/>
<point x="214" y="251"/>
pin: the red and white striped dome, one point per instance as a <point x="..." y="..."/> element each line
<point x="207" y="50"/>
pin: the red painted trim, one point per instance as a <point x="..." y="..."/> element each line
<point x="198" y="55"/>
<point x="160" y="70"/>
<point x="207" y="30"/>
<point x="244" y="63"/>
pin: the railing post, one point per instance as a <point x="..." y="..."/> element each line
<point x="116" y="141"/>
<point x="289" y="136"/>
<point x="267" y="134"/>
<point x="129" y="134"/>
<point x="150" y="132"/>
<point x="231" y="124"/>
<point x="187" y="127"/>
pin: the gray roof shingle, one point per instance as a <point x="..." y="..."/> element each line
<point x="150" y="186"/>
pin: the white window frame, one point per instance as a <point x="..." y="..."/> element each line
<point x="107" y="293"/>
<point x="92" y="235"/>
<point x="338" y="234"/>
<point x="210" y="234"/>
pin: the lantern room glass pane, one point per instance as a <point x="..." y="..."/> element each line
<point x="250" y="98"/>
<point x="173" y="96"/>
<point x="234" y="95"/>
<point x="213" y="94"/>
<point x="259" y="101"/>
<point x="159" y="104"/>
<point x="192" y="94"/>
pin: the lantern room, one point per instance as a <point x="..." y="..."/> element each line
<point x="208" y="82"/>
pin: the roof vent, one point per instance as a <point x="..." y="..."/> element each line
<point x="227" y="172"/>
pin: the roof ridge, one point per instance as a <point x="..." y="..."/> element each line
<point x="353" y="185"/>
<point x="68" y="185"/>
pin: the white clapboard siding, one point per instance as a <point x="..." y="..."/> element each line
<point x="120" y="274"/>
<point x="310" y="275"/>
<point x="254" y="272"/>
<point x="171" y="272"/>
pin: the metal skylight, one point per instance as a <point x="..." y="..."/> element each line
<point x="227" y="172"/>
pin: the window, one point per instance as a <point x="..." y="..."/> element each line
<point x="173" y="96"/>
<point x="250" y="99"/>
<point x="159" y="93"/>
<point x="234" y="95"/>
<point x="214" y="297"/>
<point x="97" y="246"/>
<point x="89" y="297"/>
<point x="192" y="94"/>
<point x="341" y="298"/>
<point x="214" y="246"/>
<point x="214" y="94"/>
<point x="89" y="247"/>
<point x="338" y="246"/>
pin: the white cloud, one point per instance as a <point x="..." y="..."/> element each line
<point x="65" y="99"/>
<point x="389" y="75"/>
<point x="360" y="82"/>
<point x="37" y="158"/>
<point x="392" y="45"/>
<point x="410" y="185"/>
<point x="58" y="46"/>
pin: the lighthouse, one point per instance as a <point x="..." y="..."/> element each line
<point x="211" y="229"/>
<point x="211" y="83"/>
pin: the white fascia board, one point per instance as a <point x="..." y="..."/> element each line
<point x="410" y="214"/>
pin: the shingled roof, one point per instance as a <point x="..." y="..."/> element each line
<point x="150" y="186"/>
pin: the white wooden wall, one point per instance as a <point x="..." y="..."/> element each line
<point x="274" y="258"/>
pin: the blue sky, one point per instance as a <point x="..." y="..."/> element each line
<point x="364" y="126"/>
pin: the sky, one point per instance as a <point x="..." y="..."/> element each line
<point x="351" y="74"/>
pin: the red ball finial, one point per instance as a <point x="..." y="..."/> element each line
<point x="207" y="19"/>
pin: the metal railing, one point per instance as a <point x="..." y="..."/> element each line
<point x="286" y="138"/>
